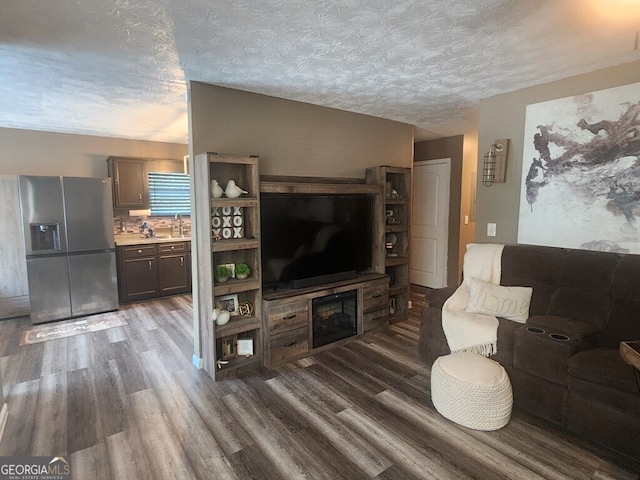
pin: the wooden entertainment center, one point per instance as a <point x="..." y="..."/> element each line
<point x="288" y="319"/>
<point x="279" y="326"/>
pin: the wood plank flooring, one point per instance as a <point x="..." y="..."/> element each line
<point x="127" y="403"/>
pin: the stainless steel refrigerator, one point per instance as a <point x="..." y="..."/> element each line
<point x="70" y="249"/>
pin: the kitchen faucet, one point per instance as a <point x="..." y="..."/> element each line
<point x="180" y="224"/>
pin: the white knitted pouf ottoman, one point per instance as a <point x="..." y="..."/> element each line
<point x="471" y="390"/>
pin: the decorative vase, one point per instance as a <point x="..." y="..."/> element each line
<point x="242" y="276"/>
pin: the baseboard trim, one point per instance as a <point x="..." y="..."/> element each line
<point x="4" y="415"/>
<point x="198" y="361"/>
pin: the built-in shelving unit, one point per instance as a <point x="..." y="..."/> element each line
<point x="393" y="252"/>
<point x="228" y="232"/>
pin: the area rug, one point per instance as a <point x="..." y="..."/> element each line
<point x="51" y="331"/>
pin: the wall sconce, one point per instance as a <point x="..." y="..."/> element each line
<point x="494" y="166"/>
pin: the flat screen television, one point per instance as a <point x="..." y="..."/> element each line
<point x="311" y="239"/>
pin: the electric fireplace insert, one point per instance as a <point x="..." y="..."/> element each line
<point x="334" y="317"/>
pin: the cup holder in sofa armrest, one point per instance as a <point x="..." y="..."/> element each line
<point x="560" y="337"/>
<point x="535" y="330"/>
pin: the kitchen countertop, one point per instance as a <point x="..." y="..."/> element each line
<point x="136" y="239"/>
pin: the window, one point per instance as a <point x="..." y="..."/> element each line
<point x="169" y="193"/>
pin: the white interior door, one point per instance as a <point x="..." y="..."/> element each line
<point x="430" y="223"/>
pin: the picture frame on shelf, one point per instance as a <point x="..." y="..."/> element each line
<point x="228" y="303"/>
<point x="231" y="267"/>
<point x="245" y="347"/>
<point x="229" y="347"/>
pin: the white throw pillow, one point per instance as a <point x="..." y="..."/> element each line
<point x="511" y="303"/>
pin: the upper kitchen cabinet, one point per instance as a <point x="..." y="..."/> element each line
<point x="130" y="182"/>
<point x="131" y="179"/>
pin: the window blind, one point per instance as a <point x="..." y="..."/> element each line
<point x="169" y="193"/>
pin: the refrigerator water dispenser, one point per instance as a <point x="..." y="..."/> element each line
<point x="45" y="237"/>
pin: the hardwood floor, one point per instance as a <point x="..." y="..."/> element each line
<point x="127" y="403"/>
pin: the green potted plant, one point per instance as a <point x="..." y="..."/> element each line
<point x="222" y="273"/>
<point x="242" y="271"/>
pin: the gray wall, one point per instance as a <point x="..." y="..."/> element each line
<point x="30" y="152"/>
<point x="294" y="138"/>
<point x="503" y="116"/>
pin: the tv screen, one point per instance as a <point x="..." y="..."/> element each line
<point x="305" y="236"/>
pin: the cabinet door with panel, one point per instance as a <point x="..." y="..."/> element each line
<point x="139" y="273"/>
<point x="174" y="275"/>
<point x="130" y="183"/>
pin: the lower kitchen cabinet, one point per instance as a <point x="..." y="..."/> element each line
<point x="174" y="268"/>
<point x="149" y="271"/>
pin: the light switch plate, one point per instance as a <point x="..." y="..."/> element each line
<point x="491" y="229"/>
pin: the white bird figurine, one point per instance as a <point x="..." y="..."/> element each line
<point x="216" y="189"/>
<point x="232" y="190"/>
<point x="220" y="317"/>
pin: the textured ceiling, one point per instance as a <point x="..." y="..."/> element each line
<point x="118" y="67"/>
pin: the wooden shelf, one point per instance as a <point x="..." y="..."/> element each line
<point x="395" y="180"/>
<point x="236" y="286"/>
<point x="397" y="201"/>
<point x="237" y="325"/>
<point x="393" y="261"/>
<point x="398" y="317"/>
<point x="235" y="364"/>
<point x="211" y="253"/>
<point x="237" y="244"/>
<point x="234" y="202"/>
<point x="397" y="290"/>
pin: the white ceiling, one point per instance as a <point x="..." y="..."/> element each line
<point x="118" y="67"/>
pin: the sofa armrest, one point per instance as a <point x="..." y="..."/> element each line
<point x="437" y="296"/>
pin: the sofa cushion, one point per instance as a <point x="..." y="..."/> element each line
<point x="582" y="305"/>
<point x="584" y="287"/>
<point x="626" y="278"/>
<point x="589" y="271"/>
<point x="623" y="324"/>
<point x="603" y="366"/>
<point x="511" y="303"/>
<point x="536" y="267"/>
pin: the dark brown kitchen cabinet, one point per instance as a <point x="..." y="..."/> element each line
<point x="138" y="273"/>
<point x="174" y="268"/>
<point x="130" y="183"/>
<point x="148" y="271"/>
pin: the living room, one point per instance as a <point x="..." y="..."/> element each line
<point x="113" y="401"/>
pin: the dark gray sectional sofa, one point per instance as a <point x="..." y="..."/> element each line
<point x="564" y="363"/>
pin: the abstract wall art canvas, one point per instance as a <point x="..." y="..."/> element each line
<point x="581" y="172"/>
